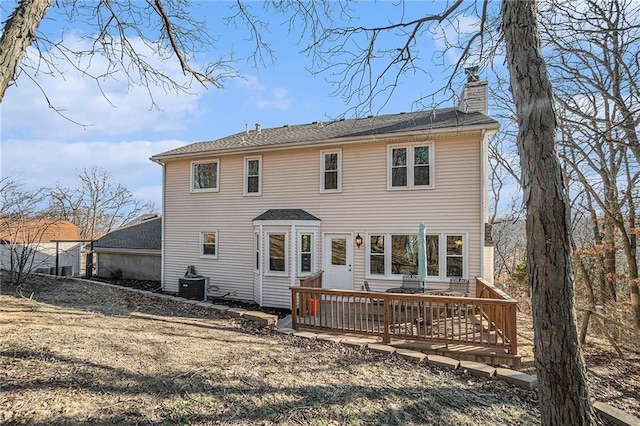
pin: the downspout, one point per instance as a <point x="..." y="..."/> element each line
<point x="294" y="255"/>
<point x="261" y="265"/>
<point x="484" y="158"/>
<point x="162" y="229"/>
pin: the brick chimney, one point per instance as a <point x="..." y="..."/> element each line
<point x="474" y="96"/>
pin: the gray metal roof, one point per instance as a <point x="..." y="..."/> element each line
<point x="286" y="214"/>
<point x="424" y="121"/>
<point x="145" y="235"/>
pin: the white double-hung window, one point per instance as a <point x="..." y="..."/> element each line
<point x="209" y="244"/>
<point x="306" y="243"/>
<point x="331" y="171"/>
<point x="253" y="175"/>
<point x="410" y="166"/>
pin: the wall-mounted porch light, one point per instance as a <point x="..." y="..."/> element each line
<point x="358" y="240"/>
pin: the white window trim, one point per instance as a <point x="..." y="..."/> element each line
<point x="246" y="176"/>
<point x="256" y="252"/>
<point x="322" y="170"/>
<point x="267" y="270"/>
<point x="410" y="166"/>
<point x="446" y="256"/>
<point x="367" y="246"/>
<point x="201" y="248"/>
<point x="217" y="188"/>
<point x="313" y="253"/>
<point x="442" y="255"/>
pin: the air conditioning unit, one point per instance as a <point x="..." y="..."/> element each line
<point x="193" y="287"/>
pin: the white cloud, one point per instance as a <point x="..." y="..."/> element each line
<point x="44" y="162"/>
<point x="277" y="98"/>
<point x="250" y="82"/>
<point x="259" y="96"/>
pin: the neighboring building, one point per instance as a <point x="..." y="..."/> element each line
<point x="258" y="210"/>
<point x="41" y="238"/>
<point x="134" y="249"/>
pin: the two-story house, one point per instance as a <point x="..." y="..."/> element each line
<point x="260" y="209"/>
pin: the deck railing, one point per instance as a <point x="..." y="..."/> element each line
<point x="487" y="320"/>
<point x="312" y="281"/>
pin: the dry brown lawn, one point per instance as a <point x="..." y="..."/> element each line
<point x="81" y="354"/>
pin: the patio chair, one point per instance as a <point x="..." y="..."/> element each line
<point x="412" y="284"/>
<point x="459" y="285"/>
<point x="377" y="305"/>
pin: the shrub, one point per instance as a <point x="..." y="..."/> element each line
<point x="115" y="275"/>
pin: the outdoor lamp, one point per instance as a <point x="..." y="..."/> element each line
<point x="358" y="240"/>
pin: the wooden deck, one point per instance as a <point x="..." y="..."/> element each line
<point x="480" y="328"/>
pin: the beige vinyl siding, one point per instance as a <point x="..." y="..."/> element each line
<point x="291" y="179"/>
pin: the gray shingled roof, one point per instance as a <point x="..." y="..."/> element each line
<point x="286" y="214"/>
<point x="146" y="235"/>
<point x="320" y="131"/>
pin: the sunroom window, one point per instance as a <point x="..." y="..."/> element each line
<point x="391" y="255"/>
<point x="454" y="255"/>
<point x="376" y="255"/>
<point x="306" y="253"/>
<point x="277" y="253"/>
<point x="404" y="254"/>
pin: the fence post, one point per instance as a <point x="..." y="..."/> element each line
<point x="385" y="313"/>
<point x="513" y="333"/>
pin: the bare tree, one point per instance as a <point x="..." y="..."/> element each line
<point x="594" y="68"/>
<point x="98" y="206"/>
<point x="559" y="362"/>
<point x="118" y="29"/>
<point x="510" y="248"/>
<point x="23" y="224"/>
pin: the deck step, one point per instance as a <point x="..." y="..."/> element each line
<point x="285" y="322"/>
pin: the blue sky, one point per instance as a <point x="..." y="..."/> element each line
<point x="42" y="148"/>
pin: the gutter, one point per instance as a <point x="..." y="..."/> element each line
<point x="484" y="164"/>
<point x="484" y="128"/>
<point x="127" y="251"/>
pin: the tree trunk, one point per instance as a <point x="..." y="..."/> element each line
<point x="563" y="388"/>
<point x="609" y="295"/>
<point x="18" y="34"/>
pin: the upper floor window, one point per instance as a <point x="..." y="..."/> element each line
<point x="209" y="244"/>
<point x="410" y="166"/>
<point x="205" y="176"/>
<point x="331" y="171"/>
<point x="252" y="176"/>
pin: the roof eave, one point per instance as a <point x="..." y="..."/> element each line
<point x="489" y="128"/>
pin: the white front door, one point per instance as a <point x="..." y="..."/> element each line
<point x="338" y="262"/>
